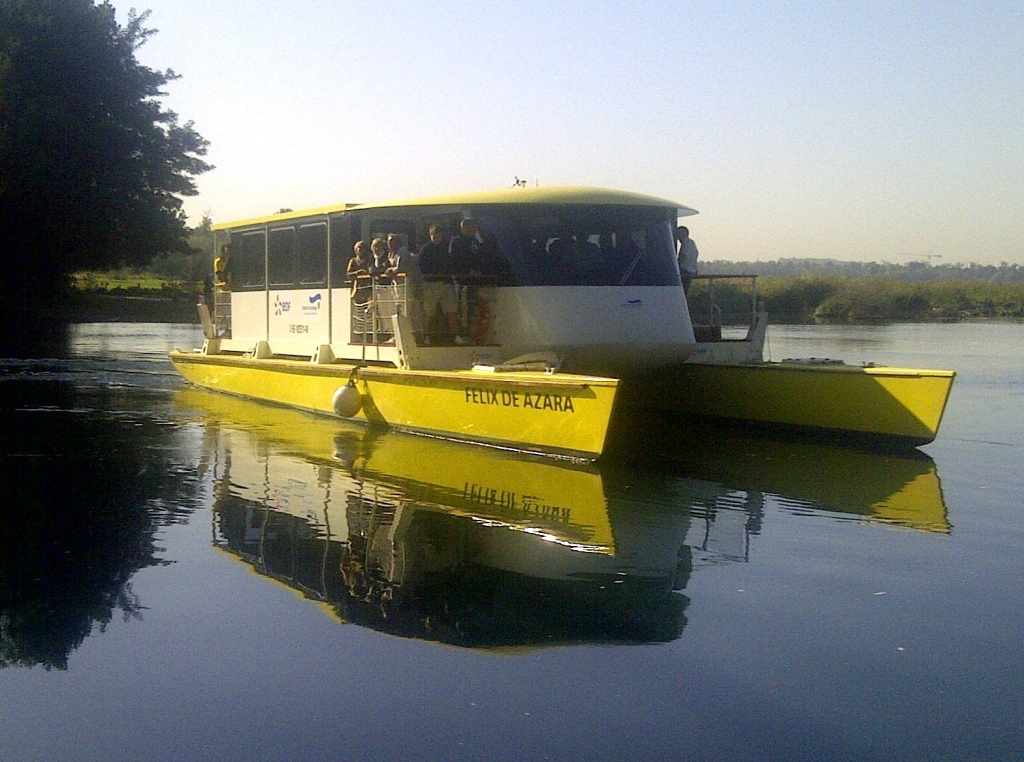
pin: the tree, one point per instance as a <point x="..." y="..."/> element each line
<point x="92" y="167"/>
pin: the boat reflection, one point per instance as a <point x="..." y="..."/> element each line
<point x="479" y="547"/>
<point x="898" y="488"/>
<point x="438" y="540"/>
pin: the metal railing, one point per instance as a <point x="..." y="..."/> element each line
<point x="723" y="300"/>
<point x="374" y="301"/>
<point x="222" y="312"/>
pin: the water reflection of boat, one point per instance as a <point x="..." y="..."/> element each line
<point x="479" y="547"/>
<point x="440" y="540"/>
<point x="901" y="488"/>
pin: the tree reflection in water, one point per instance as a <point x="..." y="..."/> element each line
<point x="86" y="489"/>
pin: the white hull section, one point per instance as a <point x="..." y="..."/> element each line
<point x="597" y="330"/>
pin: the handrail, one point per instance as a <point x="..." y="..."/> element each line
<point x="386" y="293"/>
<point x="714" y="307"/>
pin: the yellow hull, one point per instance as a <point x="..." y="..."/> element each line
<point x="896" y="404"/>
<point x="557" y="414"/>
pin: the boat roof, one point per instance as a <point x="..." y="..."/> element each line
<point x="318" y="211"/>
<point x="554" y="196"/>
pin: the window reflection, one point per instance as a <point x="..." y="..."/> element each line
<point x="586" y="246"/>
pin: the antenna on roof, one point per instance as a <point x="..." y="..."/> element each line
<point x="517" y="183"/>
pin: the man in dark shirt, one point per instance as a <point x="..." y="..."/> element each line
<point x="475" y="252"/>
<point x="435" y="259"/>
<point x="437" y="267"/>
<point x="466" y="249"/>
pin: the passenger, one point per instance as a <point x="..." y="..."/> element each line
<point x="587" y="265"/>
<point x="687" y="256"/>
<point x="535" y="259"/>
<point x="222" y="269"/>
<point x="359" y="266"/>
<point x="435" y="256"/>
<point x="492" y="262"/>
<point x="222" y="293"/>
<point x="436" y="265"/>
<point x="465" y="249"/>
<point x="475" y="253"/>
<point x="561" y="255"/>
<point x="379" y="257"/>
<point x="401" y="261"/>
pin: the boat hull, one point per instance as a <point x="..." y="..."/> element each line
<point x="554" y="414"/>
<point x="896" y="405"/>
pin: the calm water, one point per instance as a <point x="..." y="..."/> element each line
<point x="186" y="576"/>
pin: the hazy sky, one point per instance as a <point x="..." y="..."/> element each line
<point x="882" y="131"/>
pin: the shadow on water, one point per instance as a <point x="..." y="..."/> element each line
<point x="28" y="335"/>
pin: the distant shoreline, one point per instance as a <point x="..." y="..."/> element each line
<point x="102" y="307"/>
<point x="97" y="307"/>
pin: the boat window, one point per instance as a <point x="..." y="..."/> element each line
<point x="406" y="229"/>
<point x="313" y="254"/>
<point x="281" y="261"/>
<point x="344" y="234"/>
<point x="586" y="246"/>
<point x="249" y="251"/>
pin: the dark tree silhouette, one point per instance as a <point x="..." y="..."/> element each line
<point x="85" y="494"/>
<point x="92" y="168"/>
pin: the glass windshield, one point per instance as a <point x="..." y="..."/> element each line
<point x="584" y="246"/>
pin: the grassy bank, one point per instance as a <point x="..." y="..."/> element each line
<point x="125" y="297"/>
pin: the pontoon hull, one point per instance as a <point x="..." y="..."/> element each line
<point x="555" y="414"/>
<point x="898" y="405"/>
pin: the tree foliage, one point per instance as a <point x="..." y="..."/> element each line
<point x="92" y="167"/>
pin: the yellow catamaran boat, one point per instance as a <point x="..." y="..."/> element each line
<point x="547" y="311"/>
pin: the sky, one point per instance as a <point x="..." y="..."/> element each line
<point x="868" y="131"/>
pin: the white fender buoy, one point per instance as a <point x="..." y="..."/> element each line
<point x="347" y="400"/>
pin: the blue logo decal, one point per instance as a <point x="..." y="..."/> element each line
<point x="632" y="304"/>
<point x="314" y="298"/>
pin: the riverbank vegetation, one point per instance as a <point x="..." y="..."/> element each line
<point x="880" y="299"/>
<point x="127" y="295"/>
<point x="813" y="297"/>
<point x="93" y="168"/>
<point x="829" y="291"/>
<point x="910" y="272"/>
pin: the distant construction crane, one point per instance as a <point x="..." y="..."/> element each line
<point x="921" y="259"/>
